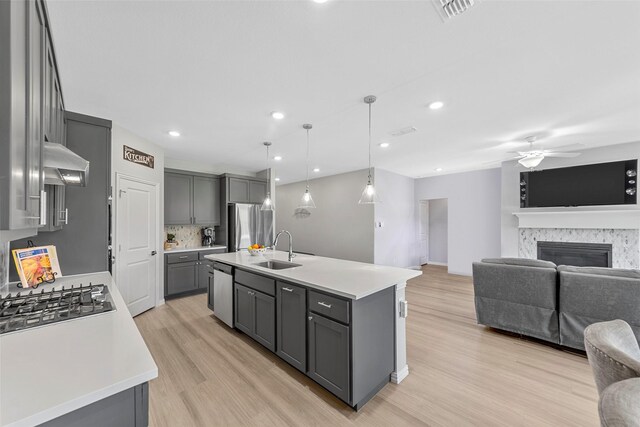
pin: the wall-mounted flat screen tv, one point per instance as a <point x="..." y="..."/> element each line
<point x="613" y="183"/>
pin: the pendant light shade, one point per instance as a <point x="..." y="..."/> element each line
<point x="267" y="204"/>
<point x="306" y="202"/>
<point x="369" y="195"/>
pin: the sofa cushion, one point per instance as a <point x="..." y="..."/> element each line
<point x="601" y="271"/>
<point x="524" y="262"/>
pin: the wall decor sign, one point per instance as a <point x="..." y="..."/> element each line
<point x="134" y="156"/>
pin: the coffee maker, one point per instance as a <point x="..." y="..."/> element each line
<point x="208" y="236"/>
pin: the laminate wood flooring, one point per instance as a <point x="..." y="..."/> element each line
<point x="460" y="373"/>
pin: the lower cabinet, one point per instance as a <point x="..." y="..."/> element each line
<point x="291" y="323"/>
<point x="255" y="315"/>
<point x="204" y="267"/>
<point x="329" y="355"/>
<point x="187" y="272"/>
<point x="181" y="277"/>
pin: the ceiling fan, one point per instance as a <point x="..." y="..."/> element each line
<point x="532" y="158"/>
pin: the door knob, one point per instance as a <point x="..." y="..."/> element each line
<point x="153" y="253"/>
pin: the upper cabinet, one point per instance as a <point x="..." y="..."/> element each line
<point x="191" y="199"/>
<point x="24" y="38"/>
<point x="246" y="190"/>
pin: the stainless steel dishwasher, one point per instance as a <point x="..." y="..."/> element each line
<point x="223" y="292"/>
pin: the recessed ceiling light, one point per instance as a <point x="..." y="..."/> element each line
<point x="320" y="1"/>
<point x="436" y="105"/>
<point x="277" y="179"/>
<point x="277" y="158"/>
<point x="384" y="144"/>
<point x="278" y="115"/>
<point x="316" y="169"/>
<point x="438" y="169"/>
<point x="174" y="133"/>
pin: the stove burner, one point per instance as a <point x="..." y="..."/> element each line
<point x="24" y="311"/>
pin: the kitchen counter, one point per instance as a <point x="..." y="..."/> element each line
<point x="52" y="370"/>
<point x="193" y="249"/>
<point x="350" y="279"/>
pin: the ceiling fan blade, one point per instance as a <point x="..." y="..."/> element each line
<point x="554" y="154"/>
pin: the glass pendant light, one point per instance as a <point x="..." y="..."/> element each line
<point x="267" y="204"/>
<point x="306" y="202"/>
<point x="369" y="195"/>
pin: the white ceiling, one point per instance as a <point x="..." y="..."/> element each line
<point x="215" y="70"/>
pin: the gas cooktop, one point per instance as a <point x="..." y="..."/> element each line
<point x="29" y="309"/>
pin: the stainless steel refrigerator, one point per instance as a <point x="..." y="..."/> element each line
<point x="248" y="225"/>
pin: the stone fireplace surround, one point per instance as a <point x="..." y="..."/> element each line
<point x="621" y="229"/>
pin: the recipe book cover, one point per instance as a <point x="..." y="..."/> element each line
<point x="36" y="265"/>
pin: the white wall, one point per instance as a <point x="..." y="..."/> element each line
<point x="120" y="137"/>
<point x="438" y="231"/>
<point x="511" y="188"/>
<point x="338" y="227"/>
<point x="474" y="214"/>
<point x="396" y="243"/>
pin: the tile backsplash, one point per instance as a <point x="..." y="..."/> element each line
<point x="186" y="235"/>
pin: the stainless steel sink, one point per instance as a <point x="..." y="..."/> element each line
<point x="277" y="265"/>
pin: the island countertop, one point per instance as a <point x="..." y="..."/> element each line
<point x="52" y="370"/>
<point x="350" y="279"/>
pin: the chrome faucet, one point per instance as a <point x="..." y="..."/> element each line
<point x="275" y="243"/>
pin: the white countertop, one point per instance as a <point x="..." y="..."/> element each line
<point x="349" y="279"/>
<point x="194" y="248"/>
<point x="52" y="370"/>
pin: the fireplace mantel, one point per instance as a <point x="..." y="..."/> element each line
<point x="605" y="219"/>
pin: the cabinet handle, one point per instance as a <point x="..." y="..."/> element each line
<point x="324" y="304"/>
<point x="43" y="207"/>
<point x="251" y="293"/>
<point x="287" y="289"/>
<point x="310" y="318"/>
<point x="184" y="256"/>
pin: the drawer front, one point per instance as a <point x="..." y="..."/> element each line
<point x="331" y="307"/>
<point x="257" y="282"/>
<point x="223" y="267"/>
<point x="182" y="257"/>
<point x="211" y="251"/>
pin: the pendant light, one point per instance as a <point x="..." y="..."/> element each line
<point x="369" y="195"/>
<point x="267" y="204"/>
<point x="306" y="202"/>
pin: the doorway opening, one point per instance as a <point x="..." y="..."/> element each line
<point x="434" y="231"/>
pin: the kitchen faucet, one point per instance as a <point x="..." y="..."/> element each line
<point x="275" y="243"/>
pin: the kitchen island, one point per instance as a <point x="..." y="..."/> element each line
<point x="92" y="370"/>
<point x="342" y="323"/>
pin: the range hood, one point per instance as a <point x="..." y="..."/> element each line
<point x="64" y="167"/>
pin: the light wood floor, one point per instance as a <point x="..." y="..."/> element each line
<point x="460" y="373"/>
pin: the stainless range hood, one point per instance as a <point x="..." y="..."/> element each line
<point x="64" y="167"/>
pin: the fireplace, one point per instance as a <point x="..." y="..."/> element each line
<point x="578" y="254"/>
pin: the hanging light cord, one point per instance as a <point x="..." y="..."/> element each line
<point x="370" y="143"/>
<point x="307" y="158"/>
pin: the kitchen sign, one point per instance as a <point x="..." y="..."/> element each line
<point x="134" y="156"/>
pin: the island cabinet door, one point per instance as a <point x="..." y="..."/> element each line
<point x="329" y="355"/>
<point x="292" y="326"/>
<point x="264" y="327"/>
<point x="243" y="313"/>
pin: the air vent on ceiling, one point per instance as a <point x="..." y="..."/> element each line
<point x="403" y="131"/>
<point x="448" y="9"/>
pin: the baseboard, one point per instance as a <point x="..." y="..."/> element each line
<point x="416" y="267"/>
<point x="397" y="377"/>
<point x="442" y="264"/>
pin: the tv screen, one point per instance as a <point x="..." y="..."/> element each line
<point x="589" y="185"/>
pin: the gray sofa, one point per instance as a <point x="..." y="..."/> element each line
<point x="538" y="299"/>
<point x="517" y="295"/>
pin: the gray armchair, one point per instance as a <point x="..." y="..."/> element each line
<point x="517" y="295"/>
<point x="614" y="356"/>
<point x="592" y="294"/>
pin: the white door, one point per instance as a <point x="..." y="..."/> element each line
<point x="424" y="232"/>
<point x="137" y="240"/>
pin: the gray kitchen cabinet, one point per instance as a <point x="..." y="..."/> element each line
<point x="329" y="355"/>
<point x="203" y="273"/>
<point x="210" y="293"/>
<point x="191" y="199"/>
<point x="181" y="277"/>
<point x="178" y="194"/>
<point x="22" y="37"/>
<point x="57" y="212"/>
<point x="243" y="308"/>
<point x="255" y="315"/>
<point x="291" y="321"/>
<point x="206" y="200"/>
<point x="257" y="191"/>
<point x="239" y="190"/>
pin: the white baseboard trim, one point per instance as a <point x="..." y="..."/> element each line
<point x="443" y="264"/>
<point x="416" y="267"/>
<point x="397" y="377"/>
<point x="161" y="302"/>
